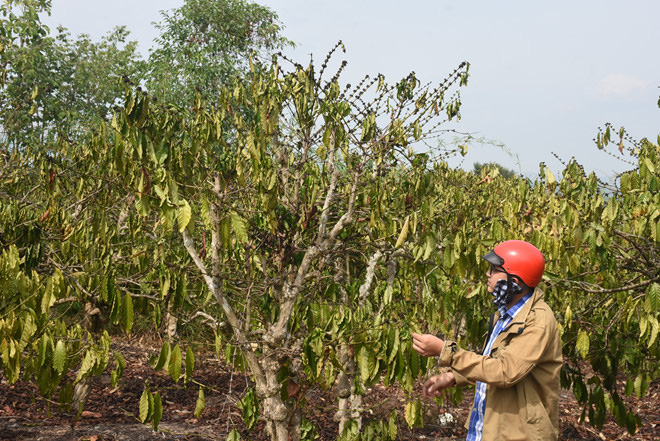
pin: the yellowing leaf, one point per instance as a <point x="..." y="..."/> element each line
<point x="145" y="405"/>
<point x="200" y="404"/>
<point x="582" y="344"/>
<point x="654" y="331"/>
<point x="643" y="326"/>
<point x="183" y="215"/>
<point x="366" y="361"/>
<point x="412" y="413"/>
<point x="238" y="225"/>
<point x="549" y="177"/>
<point x="404" y="233"/>
<point x="652" y="298"/>
<point x="649" y="165"/>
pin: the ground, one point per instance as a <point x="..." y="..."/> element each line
<point x="111" y="413"/>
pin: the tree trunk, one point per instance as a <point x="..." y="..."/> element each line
<point x="349" y="403"/>
<point x="275" y="412"/>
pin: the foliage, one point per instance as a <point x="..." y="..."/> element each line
<point x="292" y="206"/>
<point x="507" y="173"/>
<point x="205" y="44"/>
<point x="304" y="229"/>
<point x="55" y="86"/>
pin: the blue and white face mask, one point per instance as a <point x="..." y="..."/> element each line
<point x="504" y="292"/>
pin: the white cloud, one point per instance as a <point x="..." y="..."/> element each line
<point x="620" y="85"/>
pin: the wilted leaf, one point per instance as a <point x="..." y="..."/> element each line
<point x="404" y="233"/>
<point x="200" y="404"/>
<point x="183" y="215"/>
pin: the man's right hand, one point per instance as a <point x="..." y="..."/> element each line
<point x="435" y="385"/>
<point x="427" y="345"/>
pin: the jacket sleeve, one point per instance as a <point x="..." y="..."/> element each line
<point x="509" y="362"/>
<point x="461" y="380"/>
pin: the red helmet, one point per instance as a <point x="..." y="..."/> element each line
<point x="519" y="258"/>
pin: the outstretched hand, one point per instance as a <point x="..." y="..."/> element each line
<point x="435" y="385"/>
<point x="427" y="345"/>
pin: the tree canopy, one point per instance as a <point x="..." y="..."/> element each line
<point x="207" y="43"/>
<point x="57" y="85"/>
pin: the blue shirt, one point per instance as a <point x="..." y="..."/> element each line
<point x="477" y="416"/>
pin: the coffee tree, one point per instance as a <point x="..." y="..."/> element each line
<point x="277" y="194"/>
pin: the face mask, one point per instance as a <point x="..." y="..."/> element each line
<point x="504" y="292"/>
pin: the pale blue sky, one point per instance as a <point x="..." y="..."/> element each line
<point x="544" y="75"/>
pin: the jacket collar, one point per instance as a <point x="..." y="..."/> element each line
<point x="521" y="317"/>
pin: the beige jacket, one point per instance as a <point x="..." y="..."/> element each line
<point x="521" y="373"/>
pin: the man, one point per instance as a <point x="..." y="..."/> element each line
<point x="517" y="374"/>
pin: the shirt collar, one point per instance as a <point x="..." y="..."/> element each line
<point x="511" y="312"/>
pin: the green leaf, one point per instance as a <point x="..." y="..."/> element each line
<point x="190" y="364"/>
<point x="391" y="426"/>
<point x="574" y="264"/>
<point x="414" y="364"/>
<point x="367" y="361"/>
<point x="44" y="344"/>
<point x="174" y="367"/>
<point x="65" y="396"/>
<point x="163" y="357"/>
<point x="429" y="246"/>
<point x="250" y="407"/>
<point x="180" y="293"/>
<point x="145" y="405"/>
<point x="183" y="215"/>
<point x="652" y="298"/>
<point x="127" y="313"/>
<point x="119" y="369"/>
<point x="638" y="386"/>
<point x="205" y="213"/>
<point x="200" y="404"/>
<point x="238" y="225"/>
<point x="158" y="411"/>
<point x="233" y="436"/>
<point x="116" y="308"/>
<point x="48" y="298"/>
<point x="88" y="364"/>
<point x="59" y="357"/>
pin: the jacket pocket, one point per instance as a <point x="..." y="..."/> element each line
<point x="538" y="427"/>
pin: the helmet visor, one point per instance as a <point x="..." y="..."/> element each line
<point x="493" y="259"/>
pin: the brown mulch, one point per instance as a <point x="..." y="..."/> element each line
<point x="111" y="413"/>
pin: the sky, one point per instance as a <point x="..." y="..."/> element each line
<point x="544" y="76"/>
